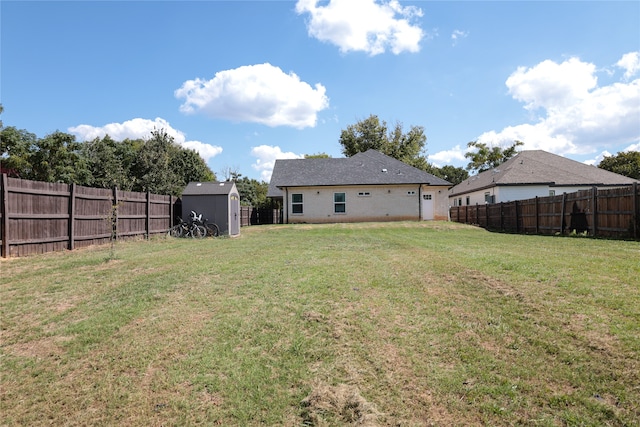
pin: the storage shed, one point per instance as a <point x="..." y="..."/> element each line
<point x="218" y="202"/>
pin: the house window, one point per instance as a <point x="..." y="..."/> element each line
<point x="468" y="200"/>
<point x="411" y="193"/>
<point x="339" y="203"/>
<point x="487" y="197"/>
<point x="364" y="194"/>
<point x="429" y="196"/>
<point x="552" y="192"/>
<point x="460" y="201"/>
<point x="296" y="203"/>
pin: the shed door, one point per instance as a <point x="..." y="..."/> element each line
<point x="234" y="211"/>
<point x="427" y="205"/>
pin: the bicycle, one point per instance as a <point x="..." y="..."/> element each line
<point x="185" y="229"/>
<point x="211" y="228"/>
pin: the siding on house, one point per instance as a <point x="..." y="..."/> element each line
<point x="363" y="203"/>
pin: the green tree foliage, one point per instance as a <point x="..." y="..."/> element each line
<point x="317" y="156"/>
<point x="252" y="192"/>
<point x="17" y="147"/>
<point x="110" y="162"/>
<point x="371" y="133"/>
<point x="455" y="175"/>
<point x="625" y="163"/>
<point x="484" y="157"/>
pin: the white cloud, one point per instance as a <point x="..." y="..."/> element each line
<point x="255" y="93"/>
<point x="141" y="129"/>
<point x="447" y="157"/>
<point x="457" y="35"/>
<point x="267" y="156"/>
<point x="630" y="62"/>
<point x="574" y="114"/>
<point x="364" y="25"/>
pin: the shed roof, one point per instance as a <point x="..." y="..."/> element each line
<point x="367" y="168"/>
<point x="536" y="167"/>
<point x="208" y="188"/>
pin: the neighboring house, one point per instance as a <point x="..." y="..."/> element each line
<point x="218" y="202"/>
<point x="531" y="174"/>
<point x="368" y="186"/>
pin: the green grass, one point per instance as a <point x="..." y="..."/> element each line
<point x="387" y="324"/>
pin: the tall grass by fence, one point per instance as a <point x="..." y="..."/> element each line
<point x="38" y="217"/>
<point x="602" y="213"/>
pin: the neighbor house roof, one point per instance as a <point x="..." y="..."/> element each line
<point x="368" y="168"/>
<point x="208" y="188"/>
<point x="538" y="167"/>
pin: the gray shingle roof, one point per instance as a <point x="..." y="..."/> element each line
<point x="540" y="167"/>
<point x="207" y="188"/>
<point x="367" y="168"/>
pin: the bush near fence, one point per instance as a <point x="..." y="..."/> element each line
<point x="600" y="213"/>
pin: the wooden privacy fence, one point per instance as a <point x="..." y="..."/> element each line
<point x="259" y="216"/>
<point x="38" y="217"/>
<point x="603" y="213"/>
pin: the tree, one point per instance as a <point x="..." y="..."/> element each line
<point x="625" y="163"/>
<point x="455" y="175"/>
<point x="110" y="163"/>
<point x="317" y="156"/>
<point x="16" y="152"/>
<point x="485" y="157"/>
<point x="370" y="133"/>
<point x="58" y="158"/>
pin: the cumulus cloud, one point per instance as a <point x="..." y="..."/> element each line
<point x="448" y="157"/>
<point x="571" y="113"/>
<point x="266" y="159"/>
<point x="259" y="93"/>
<point x="141" y="129"/>
<point x="630" y="62"/>
<point x="364" y="25"/>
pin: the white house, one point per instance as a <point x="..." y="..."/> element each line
<point x="368" y="186"/>
<point x="531" y="174"/>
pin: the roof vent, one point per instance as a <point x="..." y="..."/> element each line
<point x="198" y="184"/>
<point x="384" y="170"/>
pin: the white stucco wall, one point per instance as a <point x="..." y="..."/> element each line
<point x="364" y="203"/>
<point x="510" y="193"/>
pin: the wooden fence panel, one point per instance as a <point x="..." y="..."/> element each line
<point x="607" y="212"/>
<point x="38" y="217"/>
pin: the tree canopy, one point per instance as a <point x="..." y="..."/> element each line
<point x="371" y="133"/>
<point x="625" y="163"/>
<point x="158" y="164"/>
<point x="484" y="157"/>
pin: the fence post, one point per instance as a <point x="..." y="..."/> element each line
<point x="72" y="216"/>
<point x="4" y="207"/>
<point x="636" y="210"/>
<point x="517" y="217"/>
<point x="114" y="214"/>
<point x="564" y="201"/>
<point x="537" y="217"/>
<point x="147" y="221"/>
<point x="501" y="216"/>
<point x="170" y="212"/>
<point x="594" y="202"/>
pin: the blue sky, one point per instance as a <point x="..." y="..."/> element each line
<point x="246" y="82"/>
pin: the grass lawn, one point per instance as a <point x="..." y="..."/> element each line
<point x="392" y="324"/>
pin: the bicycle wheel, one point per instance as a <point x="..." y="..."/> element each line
<point x="175" y="231"/>
<point x="198" y="232"/>
<point x="212" y="230"/>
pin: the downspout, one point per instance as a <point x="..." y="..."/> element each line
<point x="420" y="202"/>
